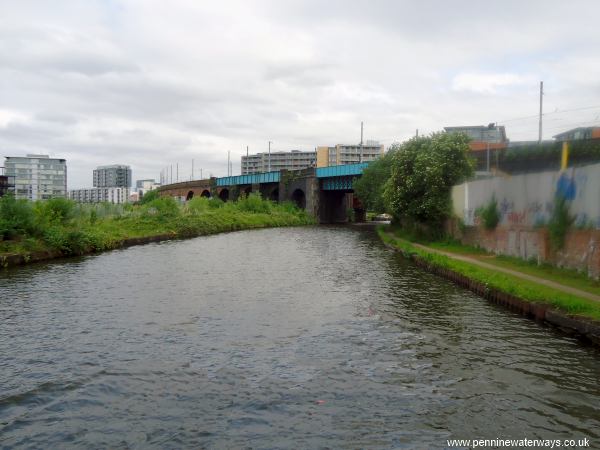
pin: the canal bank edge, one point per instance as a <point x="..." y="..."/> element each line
<point x="587" y="329"/>
<point x="16" y="259"/>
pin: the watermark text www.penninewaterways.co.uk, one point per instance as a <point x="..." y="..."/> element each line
<point x="518" y="443"/>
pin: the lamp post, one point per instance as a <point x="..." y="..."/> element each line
<point x="270" y="142"/>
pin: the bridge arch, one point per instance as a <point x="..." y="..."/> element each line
<point x="205" y="193"/>
<point x="224" y="194"/>
<point x="189" y="195"/>
<point x="299" y="198"/>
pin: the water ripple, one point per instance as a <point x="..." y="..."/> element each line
<point x="288" y="338"/>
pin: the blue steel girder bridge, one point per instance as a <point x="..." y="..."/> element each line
<point x="325" y="192"/>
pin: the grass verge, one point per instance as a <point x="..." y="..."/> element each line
<point x="568" y="277"/>
<point x="518" y="287"/>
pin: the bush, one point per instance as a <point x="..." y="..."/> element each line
<point x="215" y="203"/>
<point x="148" y="197"/>
<point x="16" y="217"/>
<point x="163" y="206"/>
<point x="198" y="205"/>
<point x="290" y="208"/>
<point x="59" y="209"/>
<point x="68" y="242"/>
<point x="560" y="222"/>
<point x="490" y="214"/>
<point x="253" y="203"/>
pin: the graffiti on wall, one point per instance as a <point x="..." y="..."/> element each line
<point x="528" y="200"/>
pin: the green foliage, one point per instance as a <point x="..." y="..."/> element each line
<point x="253" y="203"/>
<point x="423" y="171"/>
<point x="163" y="207"/>
<point x="490" y="214"/>
<point x="73" y="229"/>
<point x="16" y="217"/>
<point x="149" y="196"/>
<point x="370" y="186"/>
<point x="290" y="208"/>
<point x="59" y="210"/>
<point x="560" y="222"/>
<point x="198" y="205"/>
<point x="67" y="241"/>
<point x="215" y="203"/>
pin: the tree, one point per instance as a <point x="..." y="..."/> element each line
<point x="369" y="187"/>
<point x="423" y="171"/>
<point x="149" y="196"/>
<point x="16" y="217"/>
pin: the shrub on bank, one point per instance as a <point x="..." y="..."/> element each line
<point x="16" y="218"/>
<point x="163" y="207"/>
<point x="253" y="203"/>
<point x="71" y="228"/>
<point x="490" y="214"/>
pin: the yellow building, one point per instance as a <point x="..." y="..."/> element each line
<point x="348" y="154"/>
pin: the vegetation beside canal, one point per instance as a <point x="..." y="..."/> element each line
<point x="512" y="285"/>
<point x="60" y="227"/>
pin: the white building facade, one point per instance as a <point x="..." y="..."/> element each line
<point x="99" y="195"/>
<point x="264" y="162"/>
<point x="143" y="186"/>
<point x="348" y="153"/>
<point x="37" y="177"/>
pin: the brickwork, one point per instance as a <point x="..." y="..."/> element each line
<point x="182" y="190"/>
<point x="581" y="249"/>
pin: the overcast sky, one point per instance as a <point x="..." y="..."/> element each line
<point x="152" y="83"/>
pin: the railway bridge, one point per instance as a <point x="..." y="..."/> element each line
<point x="325" y="192"/>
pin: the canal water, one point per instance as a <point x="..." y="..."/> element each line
<point x="285" y="338"/>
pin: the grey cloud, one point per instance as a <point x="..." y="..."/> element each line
<point x="149" y="83"/>
<point x="61" y="51"/>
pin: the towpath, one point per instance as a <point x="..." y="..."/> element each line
<point x="515" y="273"/>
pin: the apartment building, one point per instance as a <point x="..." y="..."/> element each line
<point x="98" y="195"/>
<point x="36" y="177"/>
<point x="6" y="183"/>
<point x="263" y="162"/>
<point x="348" y="153"/>
<point x="111" y="184"/>
<point x="112" y="176"/>
<point x="486" y="143"/>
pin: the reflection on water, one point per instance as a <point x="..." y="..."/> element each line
<point x="293" y="338"/>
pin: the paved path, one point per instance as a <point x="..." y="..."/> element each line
<point x="524" y="276"/>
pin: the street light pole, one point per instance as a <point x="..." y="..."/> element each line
<point x="360" y="157"/>
<point x="270" y="156"/>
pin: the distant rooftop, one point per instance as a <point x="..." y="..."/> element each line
<point x="30" y="156"/>
<point x="114" y="166"/>
<point x="481" y="133"/>
<point x="579" y="133"/>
